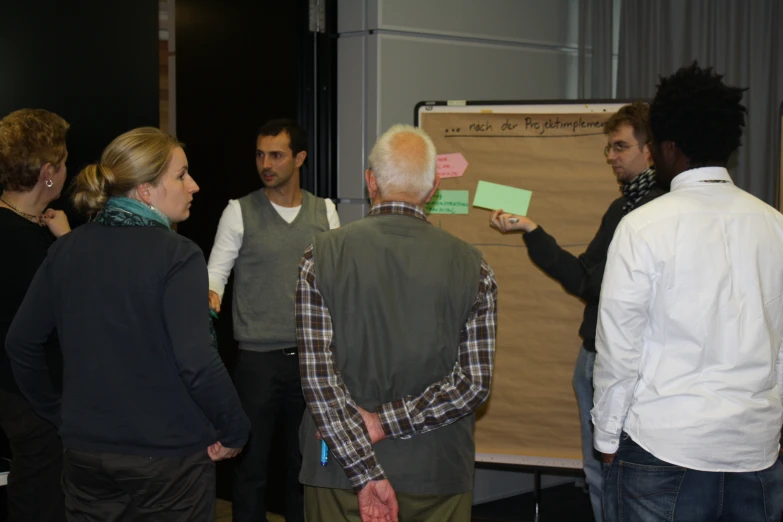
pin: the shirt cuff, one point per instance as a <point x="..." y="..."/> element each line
<point x="394" y="419"/>
<point x="217" y="288"/>
<point x="606" y="442"/>
<point x="372" y="471"/>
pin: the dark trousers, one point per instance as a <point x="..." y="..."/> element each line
<point x="106" y="487"/>
<point x="34" y="491"/>
<point x="639" y="487"/>
<point x="270" y="389"/>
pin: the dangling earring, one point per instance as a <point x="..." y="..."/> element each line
<point x="49" y="183"/>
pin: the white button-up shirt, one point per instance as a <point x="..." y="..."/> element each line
<point x="690" y="328"/>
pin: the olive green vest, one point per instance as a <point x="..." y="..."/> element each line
<point x="267" y="267"/>
<point x="399" y="292"/>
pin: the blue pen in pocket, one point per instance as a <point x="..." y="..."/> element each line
<point x="324" y="453"/>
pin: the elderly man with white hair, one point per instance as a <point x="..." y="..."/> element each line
<point x="396" y="334"/>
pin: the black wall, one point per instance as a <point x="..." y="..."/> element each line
<point x="237" y="65"/>
<point x="93" y="62"/>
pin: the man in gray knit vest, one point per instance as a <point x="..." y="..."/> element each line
<point x="262" y="237"/>
<point x="396" y="331"/>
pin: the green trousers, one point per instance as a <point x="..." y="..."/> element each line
<point x="340" y="505"/>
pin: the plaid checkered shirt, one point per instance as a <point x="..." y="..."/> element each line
<point x="334" y="411"/>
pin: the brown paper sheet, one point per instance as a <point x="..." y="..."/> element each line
<point x="559" y="157"/>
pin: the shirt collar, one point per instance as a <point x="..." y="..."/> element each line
<point x="701" y="174"/>
<point x="399" y="208"/>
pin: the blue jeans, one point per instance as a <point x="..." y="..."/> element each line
<point x="583" y="387"/>
<point x="642" y="488"/>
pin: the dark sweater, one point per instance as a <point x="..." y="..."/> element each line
<point x="140" y="376"/>
<point x="25" y="249"/>
<point x="582" y="275"/>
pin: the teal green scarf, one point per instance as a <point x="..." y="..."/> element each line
<point x="128" y="212"/>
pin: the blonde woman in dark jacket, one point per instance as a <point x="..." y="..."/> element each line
<point x="147" y="404"/>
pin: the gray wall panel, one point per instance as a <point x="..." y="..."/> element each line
<point x="416" y="69"/>
<point x="351" y="212"/>
<point x="372" y="71"/>
<point x="532" y="21"/>
<point x="351" y="16"/>
<point x="351" y="116"/>
<point x="394" y="53"/>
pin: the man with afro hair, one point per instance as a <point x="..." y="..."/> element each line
<point x="688" y="374"/>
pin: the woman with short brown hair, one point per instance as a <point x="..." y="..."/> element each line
<point x="32" y="173"/>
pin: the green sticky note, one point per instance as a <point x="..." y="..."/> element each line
<point x="449" y="202"/>
<point x="510" y="199"/>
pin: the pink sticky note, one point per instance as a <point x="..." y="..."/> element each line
<point x="451" y="165"/>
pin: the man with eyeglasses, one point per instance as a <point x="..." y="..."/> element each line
<point x="628" y="153"/>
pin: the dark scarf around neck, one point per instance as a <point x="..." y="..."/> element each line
<point x="634" y="191"/>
